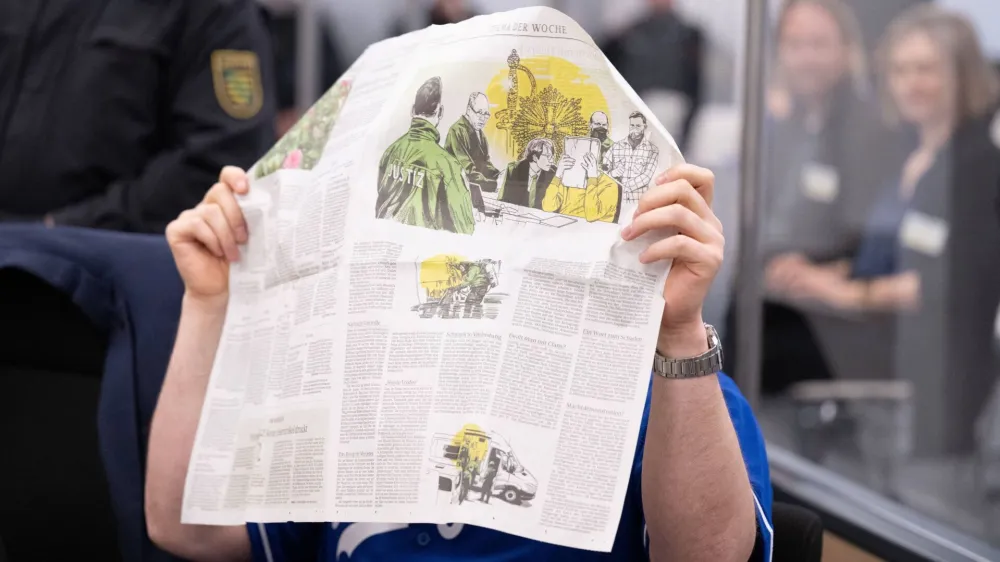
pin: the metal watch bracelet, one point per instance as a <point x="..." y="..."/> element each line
<point x="708" y="363"/>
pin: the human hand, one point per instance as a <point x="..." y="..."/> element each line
<point x="902" y="291"/>
<point x="815" y="285"/>
<point x="782" y="271"/>
<point x="681" y="199"/>
<point x="590" y="165"/>
<point x="565" y="163"/>
<point x="204" y="239"/>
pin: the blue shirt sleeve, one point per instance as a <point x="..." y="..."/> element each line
<point x="754" y="456"/>
<point x="285" y="542"/>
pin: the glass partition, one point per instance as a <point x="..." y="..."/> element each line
<point x="877" y="253"/>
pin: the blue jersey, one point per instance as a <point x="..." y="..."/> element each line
<point x="376" y="542"/>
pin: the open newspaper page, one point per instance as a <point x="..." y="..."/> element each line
<point x="435" y="319"/>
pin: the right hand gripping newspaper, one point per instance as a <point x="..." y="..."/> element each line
<point x="435" y="319"/>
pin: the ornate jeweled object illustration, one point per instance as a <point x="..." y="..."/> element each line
<point x="548" y="113"/>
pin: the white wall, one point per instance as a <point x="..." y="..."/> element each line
<point x="985" y="14"/>
<point x="359" y="23"/>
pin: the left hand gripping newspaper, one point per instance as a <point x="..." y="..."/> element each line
<point x="435" y="319"/>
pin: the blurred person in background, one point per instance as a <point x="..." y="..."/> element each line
<point x="114" y="114"/>
<point x="440" y="12"/>
<point x="823" y="169"/>
<point x="661" y="52"/>
<point x="929" y="256"/>
<point x="283" y="26"/>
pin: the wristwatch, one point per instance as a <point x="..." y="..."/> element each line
<point x="708" y="363"/>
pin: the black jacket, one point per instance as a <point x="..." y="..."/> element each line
<point x="947" y="347"/>
<point x="119" y="114"/>
<point x="661" y="52"/>
<point x="515" y="185"/>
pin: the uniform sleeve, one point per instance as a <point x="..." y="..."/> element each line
<point x="285" y="542"/>
<point x="208" y="122"/>
<point x="754" y="456"/>
<point x="457" y="144"/>
<point x="458" y="198"/>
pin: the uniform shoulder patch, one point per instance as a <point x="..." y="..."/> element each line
<point x="236" y="77"/>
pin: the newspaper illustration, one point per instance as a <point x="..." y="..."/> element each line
<point x="582" y="154"/>
<point x="435" y="318"/>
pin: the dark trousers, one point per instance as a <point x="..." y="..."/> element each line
<point x="790" y="351"/>
<point x="487" y="490"/>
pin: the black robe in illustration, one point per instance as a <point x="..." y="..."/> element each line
<point x="470" y="148"/>
<point x="515" y="185"/>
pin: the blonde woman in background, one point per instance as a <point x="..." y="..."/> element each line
<point x="930" y="257"/>
<point x="820" y="174"/>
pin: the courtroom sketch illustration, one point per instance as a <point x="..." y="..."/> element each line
<point x="528" y="178"/>
<point x="420" y="183"/>
<point x="545" y="156"/>
<point x="632" y="161"/>
<point x="303" y="144"/>
<point x="475" y="465"/>
<point x="467" y="143"/>
<point x="453" y="287"/>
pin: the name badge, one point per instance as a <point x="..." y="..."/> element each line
<point x="923" y="233"/>
<point x="820" y="183"/>
<point x="995" y="130"/>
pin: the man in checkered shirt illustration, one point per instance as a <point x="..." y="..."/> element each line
<point x="632" y="160"/>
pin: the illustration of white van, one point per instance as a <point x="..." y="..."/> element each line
<point x="475" y="450"/>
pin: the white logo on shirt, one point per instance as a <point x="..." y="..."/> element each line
<point x="356" y="533"/>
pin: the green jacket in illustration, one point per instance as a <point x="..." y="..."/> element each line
<point x="470" y="148"/>
<point x="477" y="276"/>
<point x="420" y="184"/>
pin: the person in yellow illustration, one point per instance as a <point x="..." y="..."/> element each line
<point x="599" y="201"/>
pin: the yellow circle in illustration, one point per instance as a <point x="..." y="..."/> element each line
<point x="544" y="96"/>
<point x="440" y="273"/>
<point x="472" y="444"/>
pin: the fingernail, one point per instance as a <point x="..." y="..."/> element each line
<point x="244" y="185"/>
<point x="241" y="234"/>
<point x="626" y="232"/>
<point x="643" y="259"/>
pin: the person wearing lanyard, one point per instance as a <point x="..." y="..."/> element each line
<point x="929" y="257"/>
<point x="820" y="178"/>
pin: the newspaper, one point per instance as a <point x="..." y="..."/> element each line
<point x="427" y="325"/>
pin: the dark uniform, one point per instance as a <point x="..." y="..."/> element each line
<point x="119" y="114"/>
